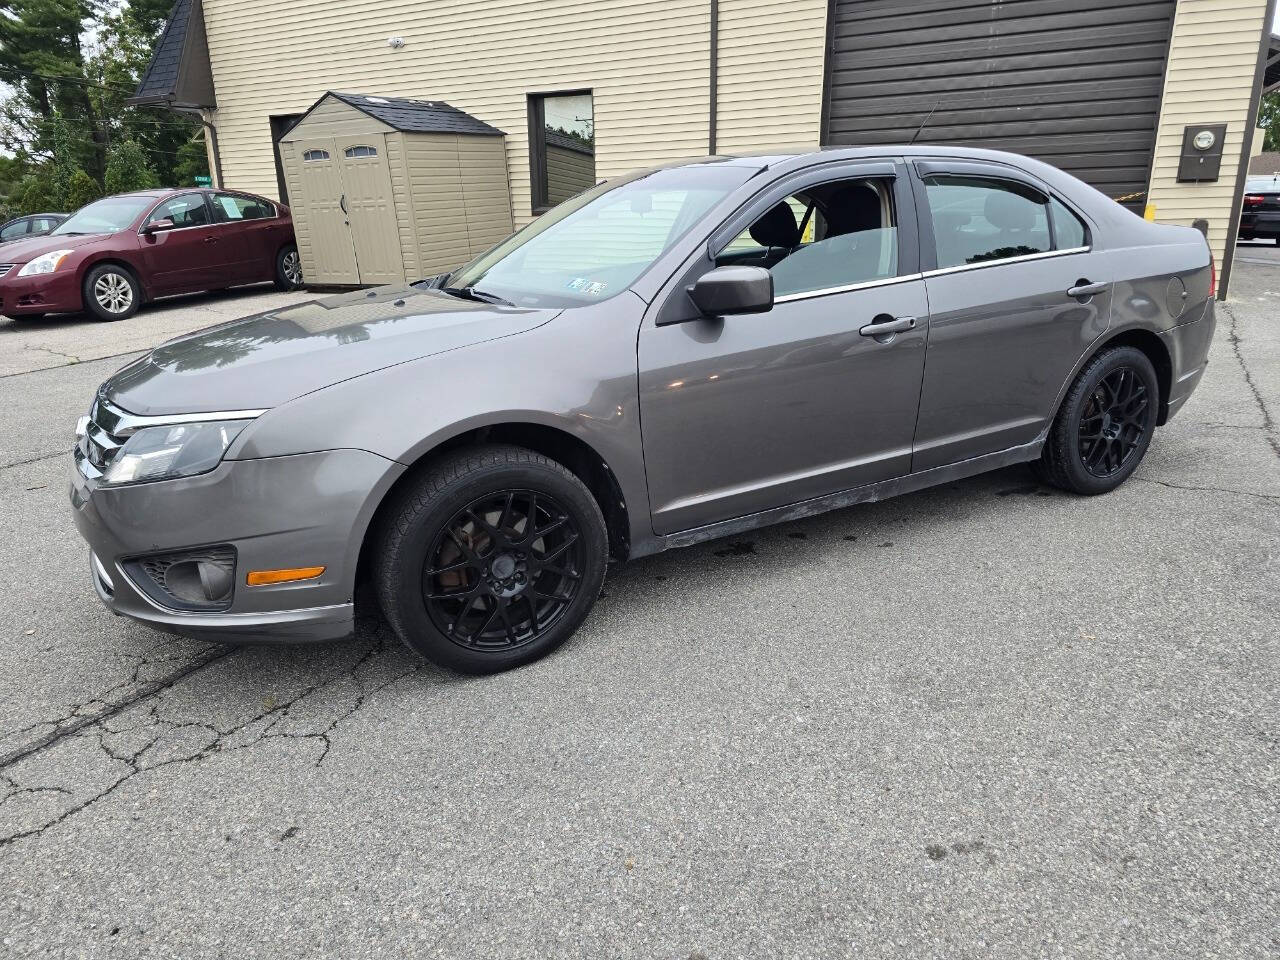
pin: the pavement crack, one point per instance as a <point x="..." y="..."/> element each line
<point x="35" y="459"/>
<point x="1268" y="423"/>
<point x="102" y="707"/>
<point x="151" y="741"/>
<point x="1269" y="498"/>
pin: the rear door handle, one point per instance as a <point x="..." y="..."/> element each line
<point x="210" y="239"/>
<point x="1084" y="288"/>
<point x="889" y="325"/>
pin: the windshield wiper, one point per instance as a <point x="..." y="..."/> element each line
<point x="471" y="293"/>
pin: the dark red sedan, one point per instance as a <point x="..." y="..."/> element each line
<point x="112" y="255"/>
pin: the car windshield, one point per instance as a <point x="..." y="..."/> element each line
<point x="596" y="244"/>
<point x="104" y="216"/>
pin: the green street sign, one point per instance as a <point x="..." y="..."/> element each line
<point x="204" y="181"/>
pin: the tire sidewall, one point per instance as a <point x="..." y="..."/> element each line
<point x="282" y="279"/>
<point x="1111" y="361"/>
<point x="91" y="303"/>
<point x="419" y="535"/>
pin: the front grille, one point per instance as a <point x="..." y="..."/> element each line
<point x="5" y="268"/>
<point x="100" y="444"/>
<point x="199" y="579"/>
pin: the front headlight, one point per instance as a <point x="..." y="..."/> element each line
<point x="174" y="450"/>
<point x="45" y="263"/>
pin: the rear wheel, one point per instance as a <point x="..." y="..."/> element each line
<point x="493" y="558"/>
<point x="1104" y="426"/>
<point x="111" y="293"/>
<point x="288" y="268"/>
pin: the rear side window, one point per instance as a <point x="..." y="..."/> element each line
<point x="230" y="207"/>
<point x="976" y="220"/>
<point x="14" y="230"/>
<point x="1069" y="231"/>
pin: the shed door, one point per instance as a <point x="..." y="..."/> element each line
<point x="1075" y="83"/>
<point x="320" y="176"/>
<point x="366" y="180"/>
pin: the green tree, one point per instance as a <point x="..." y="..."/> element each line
<point x="1269" y="120"/>
<point x="128" y="169"/>
<point x="82" y="189"/>
<point x="80" y="60"/>
<point x="36" y="196"/>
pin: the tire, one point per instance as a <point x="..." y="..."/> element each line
<point x="501" y="595"/>
<point x="288" y="269"/>
<point x="1118" y="394"/>
<point x="111" y="293"/>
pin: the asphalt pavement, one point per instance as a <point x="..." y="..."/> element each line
<point x="986" y="720"/>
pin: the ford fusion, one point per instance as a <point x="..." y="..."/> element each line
<point x="677" y="355"/>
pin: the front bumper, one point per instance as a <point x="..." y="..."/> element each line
<point x="57" y="292"/>
<point x="282" y="512"/>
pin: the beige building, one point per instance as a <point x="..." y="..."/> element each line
<point x="1152" y="101"/>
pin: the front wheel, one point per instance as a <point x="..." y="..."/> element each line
<point x="111" y="293"/>
<point x="491" y="559"/>
<point x="288" y="268"/>
<point x="1104" y="426"/>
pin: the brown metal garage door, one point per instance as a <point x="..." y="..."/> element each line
<point x="1073" y="82"/>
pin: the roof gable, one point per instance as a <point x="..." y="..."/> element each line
<point x="179" y="74"/>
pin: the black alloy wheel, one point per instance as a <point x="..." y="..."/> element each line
<point x="1114" y="422"/>
<point x="1104" y="425"/>
<point x="489" y="557"/>
<point x="503" y="570"/>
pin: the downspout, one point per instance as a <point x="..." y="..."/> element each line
<point x="211" y="133"/>
<point x="1246" y="148"/>
<point x="714" y="74"/>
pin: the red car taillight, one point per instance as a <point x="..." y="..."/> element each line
<point x="1252" y="200"/>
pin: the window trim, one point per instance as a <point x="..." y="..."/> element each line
<point x="538" y="200"/>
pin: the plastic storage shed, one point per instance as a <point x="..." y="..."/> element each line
<point x="386" y="189"/>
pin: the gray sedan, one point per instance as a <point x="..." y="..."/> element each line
<point x="672" y="356"/>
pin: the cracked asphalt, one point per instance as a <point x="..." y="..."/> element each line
<point x="987" y="720"/>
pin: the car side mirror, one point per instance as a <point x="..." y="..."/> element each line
<point x="733" y="289"/>
<point x="157" y="226"/>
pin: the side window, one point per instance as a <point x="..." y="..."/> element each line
<point x="42" y="225"/>
<point x="834" y="235"/>
<point x="1069" y="231"/>
<point x="14" y="230"/>
<point x="231" y="207"/>
<point x="312" y="156"/>
<point x="361" y="150"/>
<point x="185" y="210"/>
<point x="976" y="220"/>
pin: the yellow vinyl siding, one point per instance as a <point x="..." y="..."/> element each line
<point x="770" y="74"/>
<point x="1209" y="79"/>
<point x="646" y="62"/>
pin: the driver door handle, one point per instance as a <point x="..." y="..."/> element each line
<point x="883" y="327"/>
<point x="1084" y="288"/>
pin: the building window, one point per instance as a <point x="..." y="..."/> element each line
<point x="352" y="153"/>
<point x="311" y="156"/>
<point x="562" y="146"/>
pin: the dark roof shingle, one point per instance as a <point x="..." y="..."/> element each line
<point x="417" y="116"/>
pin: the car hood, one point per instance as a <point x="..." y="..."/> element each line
<point x="265" y="360"/>
<point x="22" y="251"/>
